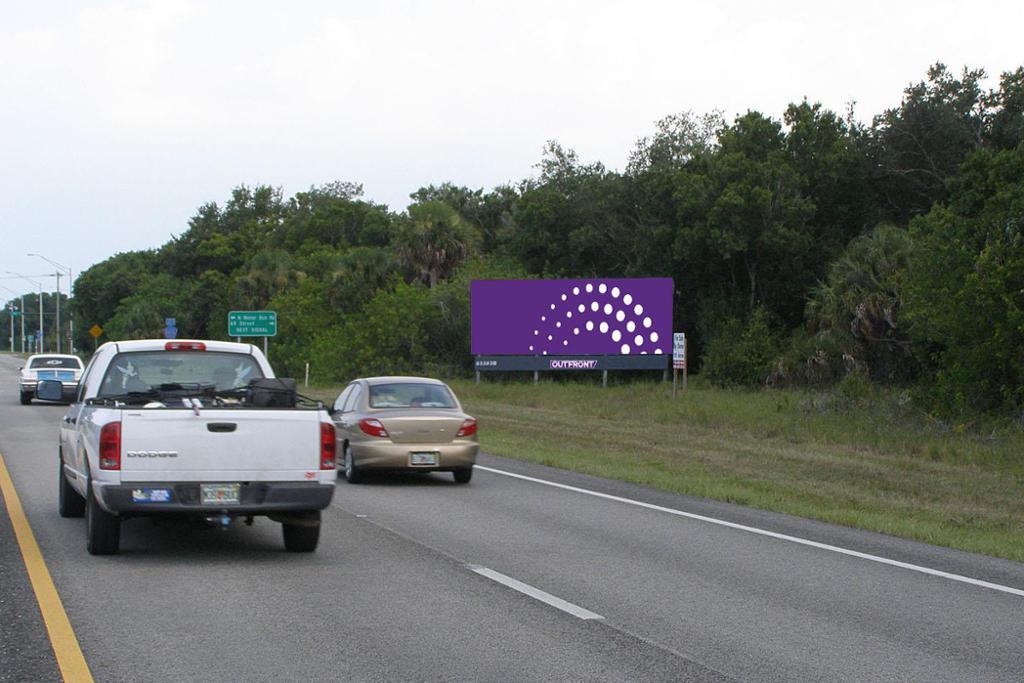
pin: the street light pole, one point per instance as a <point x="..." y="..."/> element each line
<point x="71" y="320"/>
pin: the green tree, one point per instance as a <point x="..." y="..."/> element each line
<point x="143" y="314"/>
<point x="677" y="140"/>
<point x="223" y="239"/>
<point x="758" y="217"/>
<point x="917" y="146"/>
<point x="828" y="155"/>
<point x="965" y="287"/>
<point x="100" y="289"/>
<point x="1006" y="129"/>
<point x="334" y="215"/>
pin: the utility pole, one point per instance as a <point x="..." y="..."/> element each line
<point x="40" y="285"/>
<point x="71" y="321"/>
<point x="21" y="314"/>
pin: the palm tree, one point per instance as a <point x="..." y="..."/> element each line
<point x="859" y="304"/>
<point x="435" y="240"/>
<point x="269" y="272"/>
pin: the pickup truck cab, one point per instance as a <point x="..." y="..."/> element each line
<point x="192" y="428"/>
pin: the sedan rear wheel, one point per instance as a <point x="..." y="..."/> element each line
<point x="25" y="398"/>
<point x="352" y="474"/>
<point x="462" y="476"/>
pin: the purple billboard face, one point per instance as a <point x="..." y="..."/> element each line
<point x="596" y="317"/>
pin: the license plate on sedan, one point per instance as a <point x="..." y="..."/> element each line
<point x="423" y="459"/>
<point x="220" y="494"/>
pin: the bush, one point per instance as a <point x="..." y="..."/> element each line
<point x="740" y="351"/>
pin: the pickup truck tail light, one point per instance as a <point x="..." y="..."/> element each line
<point x="110" y="446"/>
<point x="328" y="446"/>
<point x="468" y="428"/>
<point x="373" y="428"/>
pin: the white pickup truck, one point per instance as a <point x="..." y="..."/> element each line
<point x="192" y="428"/>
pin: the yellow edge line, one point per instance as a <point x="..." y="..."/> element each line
<point x="62" y="636"/>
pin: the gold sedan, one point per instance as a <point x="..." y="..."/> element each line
<point x="403" y="423"/>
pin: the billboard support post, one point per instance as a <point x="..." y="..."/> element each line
<point x="604" y="379"/>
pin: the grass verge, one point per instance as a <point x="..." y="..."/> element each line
<point x="868" y="464"/>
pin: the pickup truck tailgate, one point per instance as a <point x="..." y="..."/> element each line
<point x="222" y="445"/>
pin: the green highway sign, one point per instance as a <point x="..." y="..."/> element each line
<point x="252" y="323"/>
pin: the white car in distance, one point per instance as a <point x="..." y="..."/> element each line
<point x="63" y="367"/>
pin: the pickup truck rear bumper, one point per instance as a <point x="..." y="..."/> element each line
<point x="256" y="498"/>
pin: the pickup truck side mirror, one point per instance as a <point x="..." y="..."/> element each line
<point x="49" y="390"/>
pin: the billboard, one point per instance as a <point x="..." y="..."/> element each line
<point x="589" y="317"/>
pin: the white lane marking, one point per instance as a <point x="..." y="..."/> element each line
<point x="535" y="593"/>
<point x="763" y="532"/>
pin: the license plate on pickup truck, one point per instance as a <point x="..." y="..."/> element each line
<point x="220" y="494"/>
<point x="423" y="458"/>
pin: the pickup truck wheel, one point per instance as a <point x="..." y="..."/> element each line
<point x="25" y="398"/>
<point x="302" y="537"/>
<point x="69" y="501"/>
<point x="102" y="529"/>
<point x="463" y="475"/>
<point x="352" y="475"/>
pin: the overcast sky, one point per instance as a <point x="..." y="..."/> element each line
<point x="119" y="119"/>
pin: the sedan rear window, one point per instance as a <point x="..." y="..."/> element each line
<point x="45" y="363"/>
<point x="410" y="395"/>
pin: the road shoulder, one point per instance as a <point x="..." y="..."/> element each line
<point x="24" y="645"/>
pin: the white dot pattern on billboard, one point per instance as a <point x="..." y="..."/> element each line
<point x="587" y="303"/>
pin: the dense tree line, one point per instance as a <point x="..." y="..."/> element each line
<point x="804" y="249"/>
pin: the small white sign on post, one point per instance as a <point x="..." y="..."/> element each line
<point x="678" y="359"/>
<point x="679" y="351"/>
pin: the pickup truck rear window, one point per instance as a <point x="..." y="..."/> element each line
<point x="147" y="370"/>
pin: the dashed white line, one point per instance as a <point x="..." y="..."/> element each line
<point x="762" y="532"/>
<point x="535" y="593"/>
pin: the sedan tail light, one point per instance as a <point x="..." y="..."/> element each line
<point x="373" y="427"/>
<point x="110" y="446"/>
<point x="328" y="445"/>
<point x="468" y="428"/>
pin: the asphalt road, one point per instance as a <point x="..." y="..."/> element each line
<point x="400" y="588"/>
